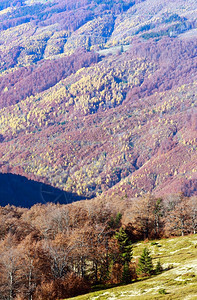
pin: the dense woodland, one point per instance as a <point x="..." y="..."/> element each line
<point x="29" y="81"/>
<point x="125" y="69"/>
<point x="97" y="99"/>
<point x="140" y="106"/>
<point x="58" y="251"/>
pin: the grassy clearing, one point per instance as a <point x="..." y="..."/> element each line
<point x="113" y="50"/>
<point x="179" y="282"/>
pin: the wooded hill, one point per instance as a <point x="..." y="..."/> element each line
<point x="126" y="123"/>
<point x="19" y="191"/>
<point x="100" y="96"/>
<point x="97" y="100"/>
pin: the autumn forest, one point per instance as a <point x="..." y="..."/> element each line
<point x="98" y="141"/>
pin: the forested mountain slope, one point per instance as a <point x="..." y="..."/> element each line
<point x="97" y="100"/>
<point x="18" y="191"/>
<point x="100" y="96"/>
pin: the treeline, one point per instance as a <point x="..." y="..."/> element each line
<point x="27" y="81"/>
<point x="53" y="252"/>
<point x="156" y="217"/>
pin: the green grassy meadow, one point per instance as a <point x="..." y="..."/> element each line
<point x="178" y="257"/>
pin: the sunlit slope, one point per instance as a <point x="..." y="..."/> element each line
<point x="121" y="118"/>
<point x="180" y="282"/>
<point x="129" y="119"/>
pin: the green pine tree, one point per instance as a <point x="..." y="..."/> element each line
<point x="118" y="219"/>
<point x="125" y="248"/>
<point x="145" y="265"/>
<point x="126" y="274"/>
<point x="115" y="222"/>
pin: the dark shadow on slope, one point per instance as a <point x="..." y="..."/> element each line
<point x="19" y="191"/>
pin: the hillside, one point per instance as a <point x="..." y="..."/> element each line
<point x="99" y="97"/>
<point x="18" y="191"/>
<point x="179" y="282"/>
<point x="98" y="149"/>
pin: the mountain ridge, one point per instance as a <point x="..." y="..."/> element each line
<point x="18" y="191"/>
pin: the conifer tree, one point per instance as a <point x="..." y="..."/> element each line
<point x="125" y="248"/>
<point x="126" y="274"/>
<point x="145" y="265"/>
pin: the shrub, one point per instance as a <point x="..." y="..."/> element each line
<point x="162" y="292"/>
<point x="158" y="268"/>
